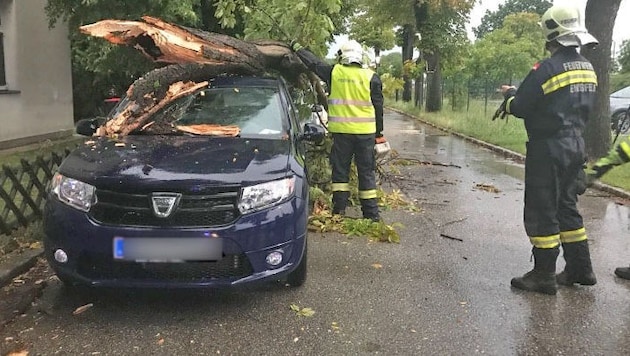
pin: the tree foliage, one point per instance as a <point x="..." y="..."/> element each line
<point x="624" y="57"/>
<point x="493" y="20"/>
<point x="508" y="53"/>
<point x="379" y="36"/>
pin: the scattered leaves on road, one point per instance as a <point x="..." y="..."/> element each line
<point x="302" y="311"/>
<point x="486" y="187"/>
<point x="377" y="265"/>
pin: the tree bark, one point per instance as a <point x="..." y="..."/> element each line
<point x="194" y="57"/>
<point x="600" y="20"/>
<point x="434" y="83"/>
<point x="407" y="56"/>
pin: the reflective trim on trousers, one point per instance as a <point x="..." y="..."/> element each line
<point x="340" y="187"/>
<point x="550" y="241"/>
<point x="573" y="236"/>
<point x="368" y="194"/>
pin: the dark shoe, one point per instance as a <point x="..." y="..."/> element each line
<point x="623" y="272"/>
<point x="568" y="279"/>
<point x="373" y="218"/>
<point x="578" y="269"/>
<point x="536" y="281"/>
<point x="542" y="278"/>
<point x="340" y="202"/>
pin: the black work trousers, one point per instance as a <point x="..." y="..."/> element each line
<point x="359" y="147"/>
<point x="553" y="169"/>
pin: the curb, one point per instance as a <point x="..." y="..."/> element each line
<point x="514" y="155"/>
<point x="18" y="263"/>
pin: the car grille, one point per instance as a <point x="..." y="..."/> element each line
<point x="97" y="266"/>
<point x="205" y="210"/>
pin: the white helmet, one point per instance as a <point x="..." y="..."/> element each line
<point x="563" y="24"/>
<point x="350" y="52"/>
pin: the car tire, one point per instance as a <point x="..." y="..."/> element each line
<point x="617" y="118"/>
<point x="297" y="277"/>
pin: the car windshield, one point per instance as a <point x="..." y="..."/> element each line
<point x="232" y="111"/>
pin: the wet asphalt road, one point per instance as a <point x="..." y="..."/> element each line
<point x="428" y="295"/>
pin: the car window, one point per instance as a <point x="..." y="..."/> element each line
<point x="622" y="93"/>
<point x="254" y="110"/>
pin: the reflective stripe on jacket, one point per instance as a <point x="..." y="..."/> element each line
<point x="557" y="96"/>
<point x="350" y="108"/>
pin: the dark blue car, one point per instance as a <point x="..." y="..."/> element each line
<point x="167" y="206"/>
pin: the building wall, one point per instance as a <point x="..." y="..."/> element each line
<point x="36" y="102"/>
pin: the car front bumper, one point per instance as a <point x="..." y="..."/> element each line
<point x="246" y="245"/>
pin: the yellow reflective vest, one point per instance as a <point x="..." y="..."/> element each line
<point x="350" y="108"/>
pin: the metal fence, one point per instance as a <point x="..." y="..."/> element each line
<point x="23" y="190"/>
<point x="458" y="93"/>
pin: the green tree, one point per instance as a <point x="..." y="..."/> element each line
<point x="391" y="63"/>
<point x="507" y="54"/>
<point x="379" y="36"/>
<point x="493" y="20"/>
<point x="441" y="24"/>
<point x="624" y="57"/>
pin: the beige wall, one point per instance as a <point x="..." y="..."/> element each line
<point x="38" y="103"/>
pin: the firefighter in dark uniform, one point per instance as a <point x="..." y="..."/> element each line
<point x="355" y="120"/>
<point x="554" y="101"/>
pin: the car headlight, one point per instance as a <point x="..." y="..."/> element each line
<point x="73" y="192"/>
<point x="264" y="195"/>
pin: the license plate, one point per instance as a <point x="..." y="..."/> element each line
<point x="148" y="249"/>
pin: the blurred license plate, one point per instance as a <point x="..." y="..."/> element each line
<point x="148" y="249"/>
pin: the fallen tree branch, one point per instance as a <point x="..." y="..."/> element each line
<point x="194" y="57"/>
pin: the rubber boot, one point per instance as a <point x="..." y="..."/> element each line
<point x="542" y="278"/>
<point x="340" y="202"/>
<point x="369" y="208"/>
<point x="623" y="272"/>
<point x="578" y="269"/>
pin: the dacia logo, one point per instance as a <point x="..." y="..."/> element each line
<point x="164" y="204"/>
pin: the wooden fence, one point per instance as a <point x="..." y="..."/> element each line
<point x="23" y="190"/>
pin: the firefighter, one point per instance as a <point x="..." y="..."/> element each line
<point x="617" y="156"/>
<point x="554" y="101"/>
<point x="355" y="120"/>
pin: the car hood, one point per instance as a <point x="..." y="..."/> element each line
<point x="618" y="103"/>
<point x="146" y="163"/>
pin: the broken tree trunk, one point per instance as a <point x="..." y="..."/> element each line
<point x="194" y="57"/>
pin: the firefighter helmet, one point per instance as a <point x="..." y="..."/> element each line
<point x="350" y="52"/>
<point x="563" y="23"/>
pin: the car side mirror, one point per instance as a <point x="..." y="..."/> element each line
<point x="313" y="133"/>
<point x="87" y="127"/>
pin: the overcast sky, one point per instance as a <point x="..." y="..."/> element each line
<point x="620" y="33"/>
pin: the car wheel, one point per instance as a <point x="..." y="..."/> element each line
<point x="298" y="276"/>
<point x="620" y="122"/>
